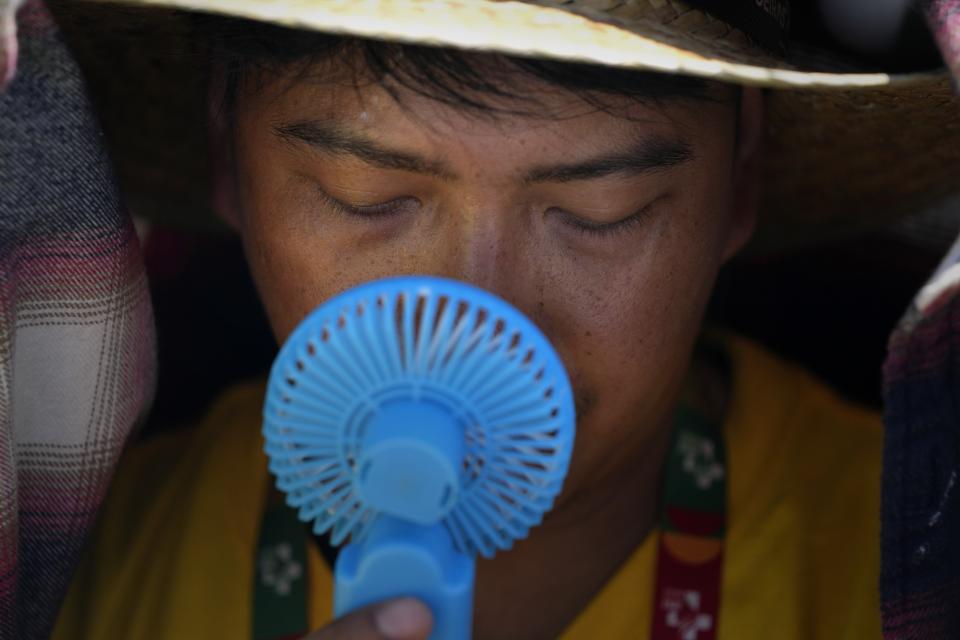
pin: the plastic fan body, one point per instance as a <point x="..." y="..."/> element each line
<point x="428" y="421"/>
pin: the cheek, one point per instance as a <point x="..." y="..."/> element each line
<point x="627" y="335"/>
<point x="295" y="270"/>
<point x="631" y="343"/>
<point x="292" y="272"/>
<point x="296" y="259"/>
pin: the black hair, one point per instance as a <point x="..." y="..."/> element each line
<point x="246" y="52"/>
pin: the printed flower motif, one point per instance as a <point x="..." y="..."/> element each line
<point x="278" y="569"/>
<point x="700" y="460"/>
<point x="682" y="612"/>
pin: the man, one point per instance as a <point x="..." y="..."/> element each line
<point x="599" y="201"/>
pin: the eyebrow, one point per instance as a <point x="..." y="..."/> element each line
<point x="644" y="155"/>
<point x="647" y="154"/>
<point x="336" y="140"/>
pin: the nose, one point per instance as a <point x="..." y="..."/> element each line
<point x="487" y="243"/>
<point x="496" y="244"/>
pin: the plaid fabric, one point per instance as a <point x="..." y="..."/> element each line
<point x="76" y="330"/>
<point x="920" y="573"/>
<point x="944" y="19"/>
<point x="920" y="576"/>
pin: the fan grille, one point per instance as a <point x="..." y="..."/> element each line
<point x="421" y="338"/>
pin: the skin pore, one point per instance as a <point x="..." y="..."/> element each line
<point x="606" y="227"/>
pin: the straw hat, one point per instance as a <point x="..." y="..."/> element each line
<point x="845" y="148"/>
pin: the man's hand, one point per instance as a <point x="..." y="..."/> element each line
<point x="401" y="619"/>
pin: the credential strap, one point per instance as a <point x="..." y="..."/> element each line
<point x="686" y="603"/>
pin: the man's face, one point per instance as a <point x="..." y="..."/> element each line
<point x="606" y="228"/>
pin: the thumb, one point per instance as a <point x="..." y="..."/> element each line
<point x="401" y="619"/>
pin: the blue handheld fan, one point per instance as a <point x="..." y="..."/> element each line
<point x="428" y="421"/>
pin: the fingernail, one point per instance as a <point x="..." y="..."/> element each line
<point x="402" y="619"/>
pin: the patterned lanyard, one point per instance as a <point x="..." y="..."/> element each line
<point x="280" y="594"/>
<point x="686" y="600"/>
<point x="689" y="559"/>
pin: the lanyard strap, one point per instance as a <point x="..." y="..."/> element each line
<point x="686" y="600"/>
<point x="689" y="559"/>
<point x="280" y="576"/>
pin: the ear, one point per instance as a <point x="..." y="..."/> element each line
<point x="747" y="171"/>
<point x="223" y="180"/>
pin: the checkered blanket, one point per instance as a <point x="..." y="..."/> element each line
<point x="944" y="19"/>
<point x="920" y="578"/>
<point x="920" y="571"/>
<point x="76" y="329"/>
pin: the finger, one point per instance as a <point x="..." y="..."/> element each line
<point x="401" y="619"/>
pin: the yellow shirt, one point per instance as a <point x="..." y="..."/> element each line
<point x="173" y="554"/>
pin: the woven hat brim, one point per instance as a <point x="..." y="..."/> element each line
<point x="845" y="151"/>
<point x="590" y="31"/>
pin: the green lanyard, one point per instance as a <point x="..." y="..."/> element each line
<point x="280" y="593"/>
<point x="686" y="600"/>
<point x="689" y="559"/>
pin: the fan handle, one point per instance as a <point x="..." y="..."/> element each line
<point x="401" y="557"/>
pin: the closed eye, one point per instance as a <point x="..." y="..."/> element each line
<point x="377" y="210"/>
<point x="603" y="229"/>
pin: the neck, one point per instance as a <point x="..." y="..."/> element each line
<point x="536" y="589"/>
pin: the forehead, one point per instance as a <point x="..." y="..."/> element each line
<point x="491" y="100"/>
